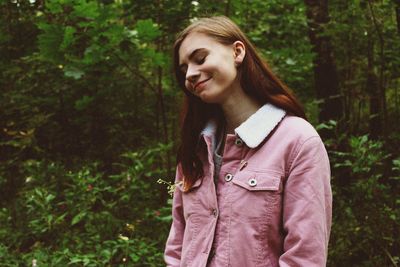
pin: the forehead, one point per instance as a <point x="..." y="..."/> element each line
<point x="193" y="41"/>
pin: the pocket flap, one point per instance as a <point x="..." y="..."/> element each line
<point x="195" y="185"/>
<point x="257" y="181"/>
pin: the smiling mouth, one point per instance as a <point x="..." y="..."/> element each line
<point x="200" y="83"/>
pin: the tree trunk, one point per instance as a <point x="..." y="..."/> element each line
<point x="163" y="116"/>
<point x="325" y="73"/>
<point x="398" y="15"/>
<point x="380" y="93"/>
<point x="160" y="99"/>
<point x="375" y="122"/>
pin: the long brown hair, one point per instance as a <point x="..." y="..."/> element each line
<point x="256" y="79"/>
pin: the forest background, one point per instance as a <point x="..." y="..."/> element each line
<point x="89" y="121"/>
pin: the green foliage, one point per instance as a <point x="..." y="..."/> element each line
<point x="365" y="222"/>
<point x="86" y="217"/>
<point x="51" y="42"/>
<point x="147" y="30"/>
<point x="82" y="82"/>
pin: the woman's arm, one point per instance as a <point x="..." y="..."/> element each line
<point x="307" y="206"/>
<point x="173" y="249"/>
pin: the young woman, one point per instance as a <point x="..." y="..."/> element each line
<point x="253" y="177"/>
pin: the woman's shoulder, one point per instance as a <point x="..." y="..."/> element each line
<point x="294" y="127"/>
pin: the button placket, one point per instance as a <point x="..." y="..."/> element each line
<point x="214" y="213"/>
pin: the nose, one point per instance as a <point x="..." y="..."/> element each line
<point x="192" y="74"/>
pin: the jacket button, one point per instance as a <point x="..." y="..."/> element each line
<point x="214" y="212"/>
<point x="238" y="142"/>
<point x="228" y="177"/>
<point x="253" y="182"/>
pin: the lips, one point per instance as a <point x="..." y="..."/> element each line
<point x="200" y="83"/>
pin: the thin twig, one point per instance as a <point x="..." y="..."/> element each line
<point x="390" y="257"/>
<point x="136" y="73"/>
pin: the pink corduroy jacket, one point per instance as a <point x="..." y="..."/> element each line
<point x="272" y="204"/>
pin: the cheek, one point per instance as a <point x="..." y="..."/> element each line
<point x="227" y="75"/>
<point x="227" y="70"/>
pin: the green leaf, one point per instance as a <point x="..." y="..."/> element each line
<point x="156" y="58"/>
<point x="54" y="6"/>
<point x="93" y="54"/>
<point x="75" y="260"/>
<point x="49" y="197"/>
<point x="49" y="219"/>
<point x="290" y="61"/>
<point x="78" y="218"/>
<point x="147" y="30"/>
<point x="165" y="218"/>
<point x="82" y="103"/>
<point x="49" y="41"/>
<point x="73" y="72"/>
<point x="86" y="9"/>
<point x="60" y="218"/>
<point x="68" y="37"/>
<point x="115" y="34"/>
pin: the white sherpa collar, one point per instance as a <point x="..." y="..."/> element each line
<point x="259" y="125"/>
<point x="256" y="128"/>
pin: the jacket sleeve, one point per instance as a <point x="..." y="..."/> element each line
<point x="307" y="206"/>
<point x="173" y="248"/>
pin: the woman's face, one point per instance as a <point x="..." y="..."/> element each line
<point x="209" y="67"/>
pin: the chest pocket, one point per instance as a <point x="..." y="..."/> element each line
<point x="255" y="195"/>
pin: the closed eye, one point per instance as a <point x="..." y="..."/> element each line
<point x="198" y="61"/>
<point x="201" y="60"/>
<point x="198" y="56"/>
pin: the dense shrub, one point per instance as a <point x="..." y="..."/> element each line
<point x="85" y="217"/>
<point x="366" y="211"/>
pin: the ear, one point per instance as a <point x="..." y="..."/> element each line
<point x="239" y="52"/>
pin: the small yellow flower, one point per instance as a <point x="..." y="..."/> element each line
<point x="125" y="238"/>
<point x="130" y="227"/>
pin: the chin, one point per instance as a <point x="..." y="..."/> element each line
<point x="209" y="99"/>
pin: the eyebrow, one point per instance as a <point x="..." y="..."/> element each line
<point x="192" y="55"/>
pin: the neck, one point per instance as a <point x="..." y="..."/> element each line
<point x="238" y="108"/>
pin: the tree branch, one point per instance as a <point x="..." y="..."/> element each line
<point x="136" y="73"/>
